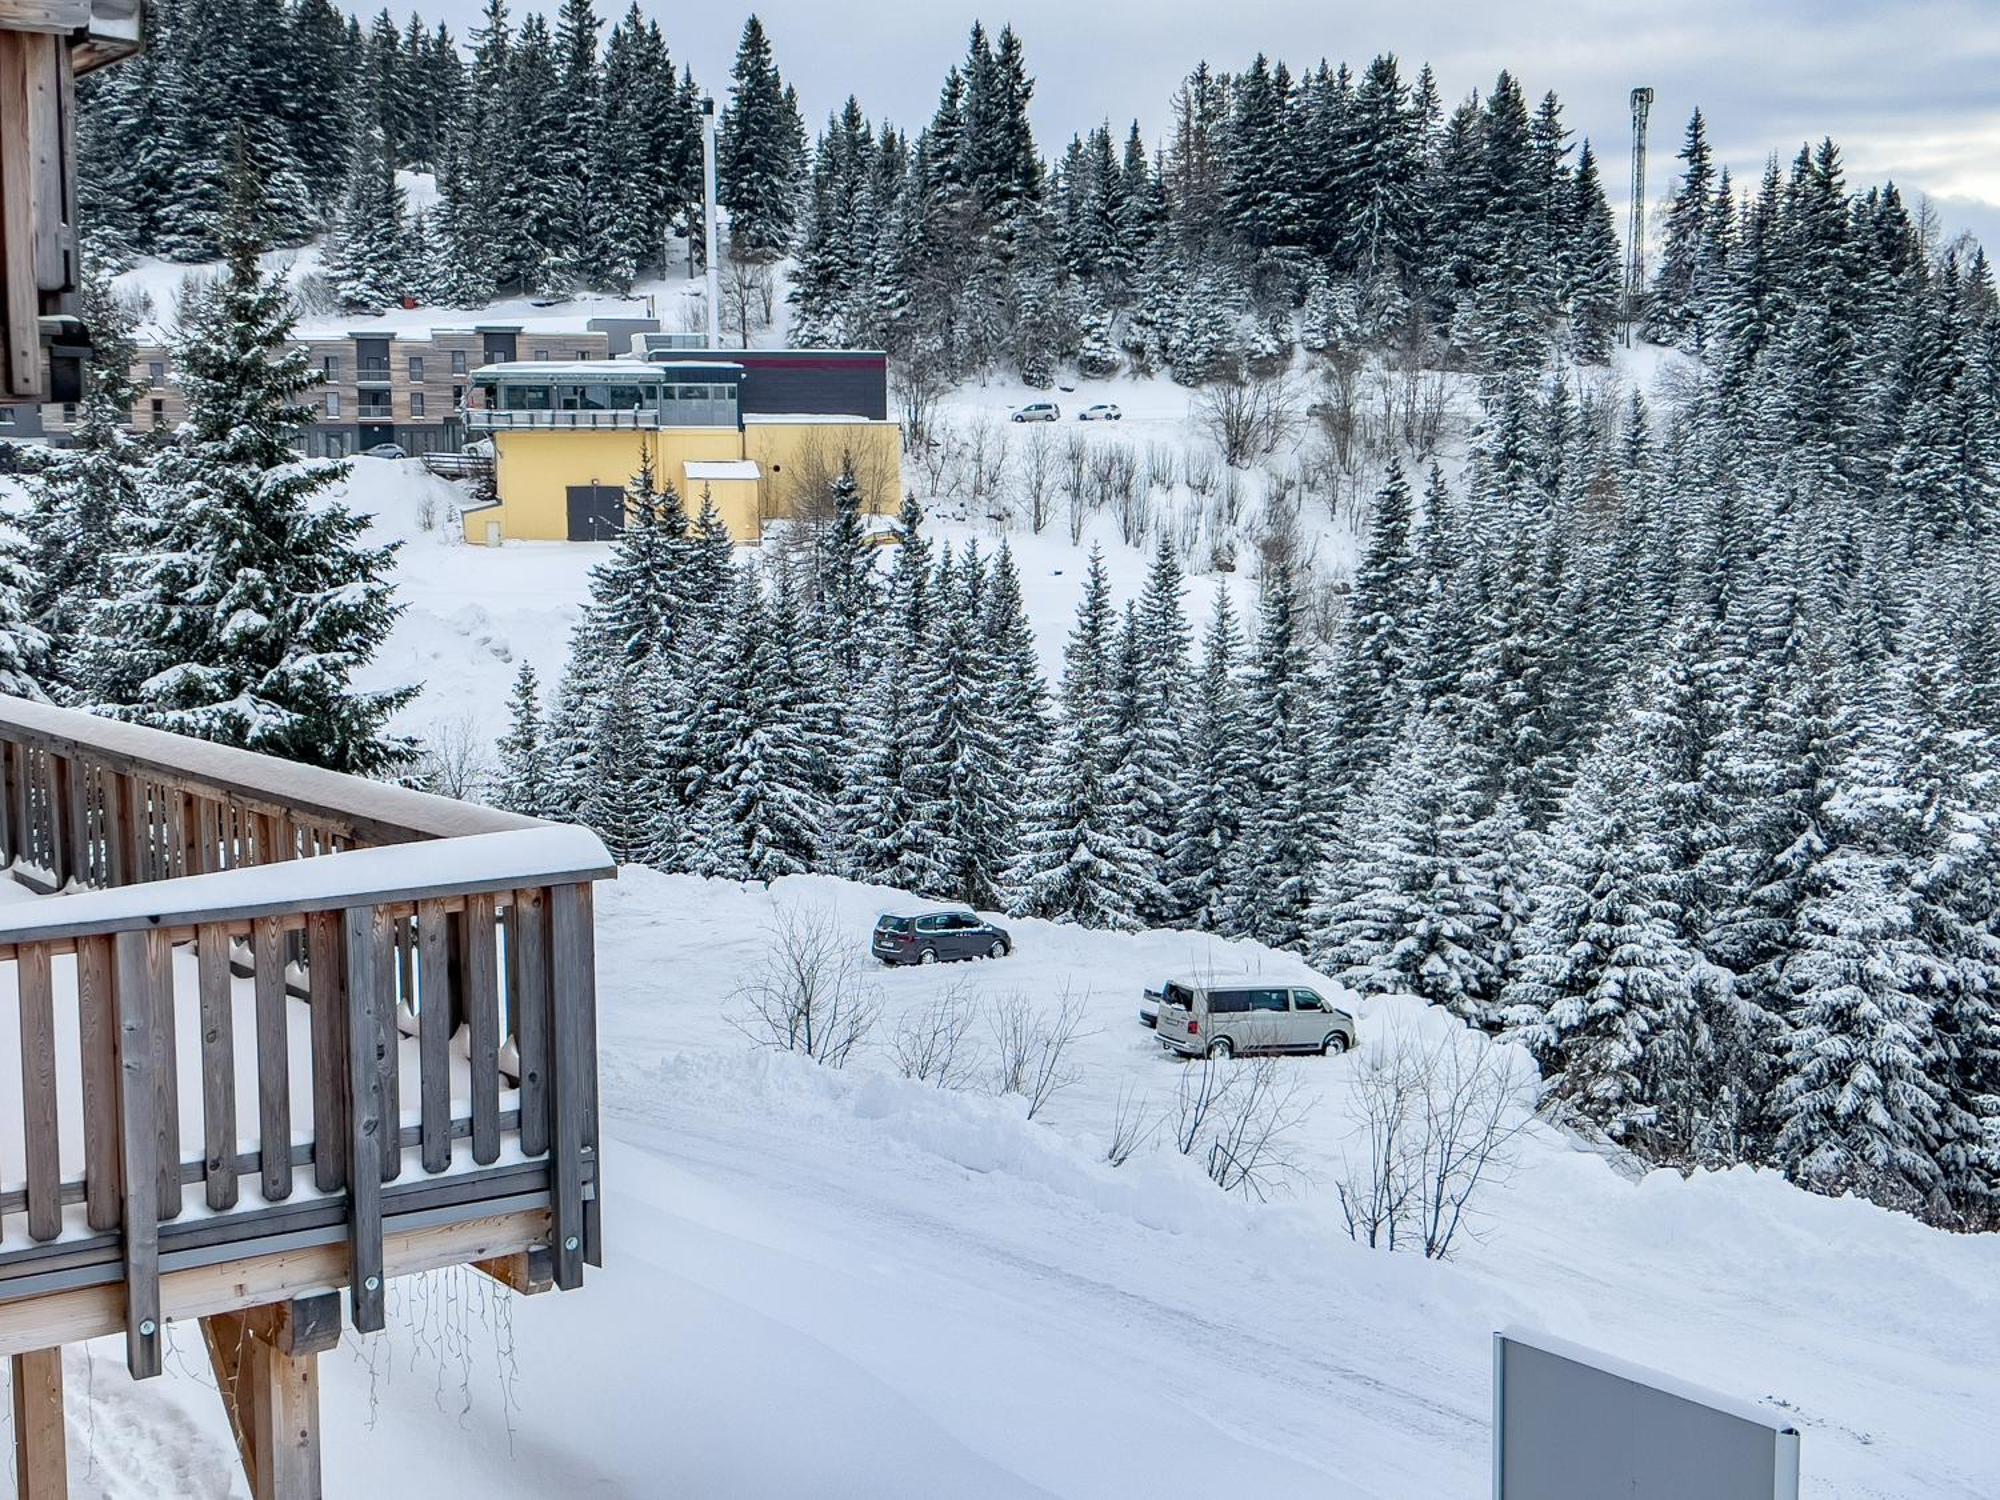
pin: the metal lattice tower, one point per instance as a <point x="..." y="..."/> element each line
<point x="1635" y="237"/>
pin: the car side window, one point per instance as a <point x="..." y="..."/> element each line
<point x="1270" y="1000"/>
<point x="930" y="924"/>
<point x="1307" y="1000"/>
<point x="1228" y="1002"/>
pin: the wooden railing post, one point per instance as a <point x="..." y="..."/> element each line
<point x="138" y="1147"/>
<point x="366" y="933"/>
<point x="572" y="1066"/>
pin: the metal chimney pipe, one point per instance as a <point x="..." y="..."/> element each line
<point x="708" y="203"/>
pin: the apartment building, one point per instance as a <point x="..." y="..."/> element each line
<point x="405" y="387"/>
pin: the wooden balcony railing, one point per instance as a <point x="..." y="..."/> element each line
<point x="287" y="1028"/>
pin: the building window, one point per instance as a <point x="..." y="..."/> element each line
<point x="69" y="413"/>
<point x="333" y="403"/>
<point x="156" y="373"/>
<point x="458" y="395"/>
<point x="416" y="403"/>
<point x="458" y="361"/>
<point x="541" y="354"/>
<point x="416" y="369"/>
<point x="330" y="366"/>
<point x="159" y="413"/>
<point x="6" y="416"/>
<point x="578" y="354"/>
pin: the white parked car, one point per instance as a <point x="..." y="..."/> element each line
<point x="1039" y="411"/>
<point x="1103" y="411"/>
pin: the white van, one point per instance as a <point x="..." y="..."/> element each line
<point x="1222" y="1017"/>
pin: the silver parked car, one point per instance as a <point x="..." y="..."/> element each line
<point x="1222" y="1017"/>
<point x="1038" y="411"/>
<point x="1102" y="411"/>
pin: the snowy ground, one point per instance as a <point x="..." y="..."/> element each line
<point x="847" y="1284"/>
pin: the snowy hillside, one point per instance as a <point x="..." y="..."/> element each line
<point x="849" y="1284"/>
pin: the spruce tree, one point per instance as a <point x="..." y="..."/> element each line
<point x="247" y="598"/>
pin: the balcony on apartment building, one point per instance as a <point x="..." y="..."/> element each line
<point x="606" y="395"/>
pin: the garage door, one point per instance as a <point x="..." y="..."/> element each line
<point x="596" y="512"/>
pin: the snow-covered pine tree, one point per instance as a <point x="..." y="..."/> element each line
<point x="1601" y="971"/>
<point x="365" y="255"/>
<point x="1289" y="819"/>
<point x="760" y="153"/>
<point x="246" y="599"/>
<point x="1212" y="797"/>
<point x="1404" y="908"/>
<point x="962" y="818"/>
<point x="78" y="505"/>
<point x="523" y="751"/>
<point x="1076" y="862"/>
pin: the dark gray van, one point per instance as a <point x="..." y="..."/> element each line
<point x="1220" y="1018"/>
<point x="938" y="937"/>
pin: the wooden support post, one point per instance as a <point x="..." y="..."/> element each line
<point x="41" y="1461"/>
<point x="266" y="1362"/>
<point x="370" y="1132"/>
<point x="569" y="1076"/>
<point x="138" y="1148"/>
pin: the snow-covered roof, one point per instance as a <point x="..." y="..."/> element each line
<point x="588" y="369"/>
<point x="751" y="418"/>
<point x="729" y="468"/>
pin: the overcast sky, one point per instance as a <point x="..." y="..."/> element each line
<point x="1910" y="90"/>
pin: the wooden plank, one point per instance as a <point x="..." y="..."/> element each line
<point x="528" y="1272"/>
<point x="54" y="266"/>
<point x="138" y="1141"/>
<point x="528" y="982"/>
<point x="227" y="1337"/>
<point x="93" y="1312"/>
<point x="44" y="15"/>
<point x="569" y="1069"/>
<point x="274" y="1058"/>
<point x="20" y="334"/>
<point x="365" y="931"/>
<point x="41" y="1460"/>
<point x="218" y="1066"/>
<point x="38" y="1093"/>
<point x="98" y="1039"/>
<point x="166" y="1072"/>
<point x="121" y="832"/>
<point x="17" y="799"/>
<point x="585" y="999"/>
<point x="65" y="849"/>
<point x="326" y="960"/>
<point x="306" y="1324"/>
<point x="482" y="1003"/>
<point x="434" y="1032"/>
<point x="388" y="1055"/>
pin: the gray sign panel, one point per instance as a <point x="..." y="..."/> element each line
<point x="1572" y="1424"/>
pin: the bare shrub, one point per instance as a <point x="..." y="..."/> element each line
<point x="1038" y="476"/>
<point x="1031" y="1046"/>
<point x="747" y="294"/>
<point x="1199" y="470"/>
<point x="809" y="996"/>
<point x="1439" y="1120"/>
<point x="919" y="375"/>
<point x="1337" y="409"/>
<point x="1250" y="1149"/>
<point x="929" y="1044"/>
<point x="1248" y="416"/>
<point x="1239" y="1118"/>
<point x="452" y="760"/>
<point x="985" y="459"/>
<point x="1162" y="461"/>
<point x="1132" y="1126"/>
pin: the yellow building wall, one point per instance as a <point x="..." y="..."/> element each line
<point x="534" y="470"/>
<point x="792" y="454"/>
